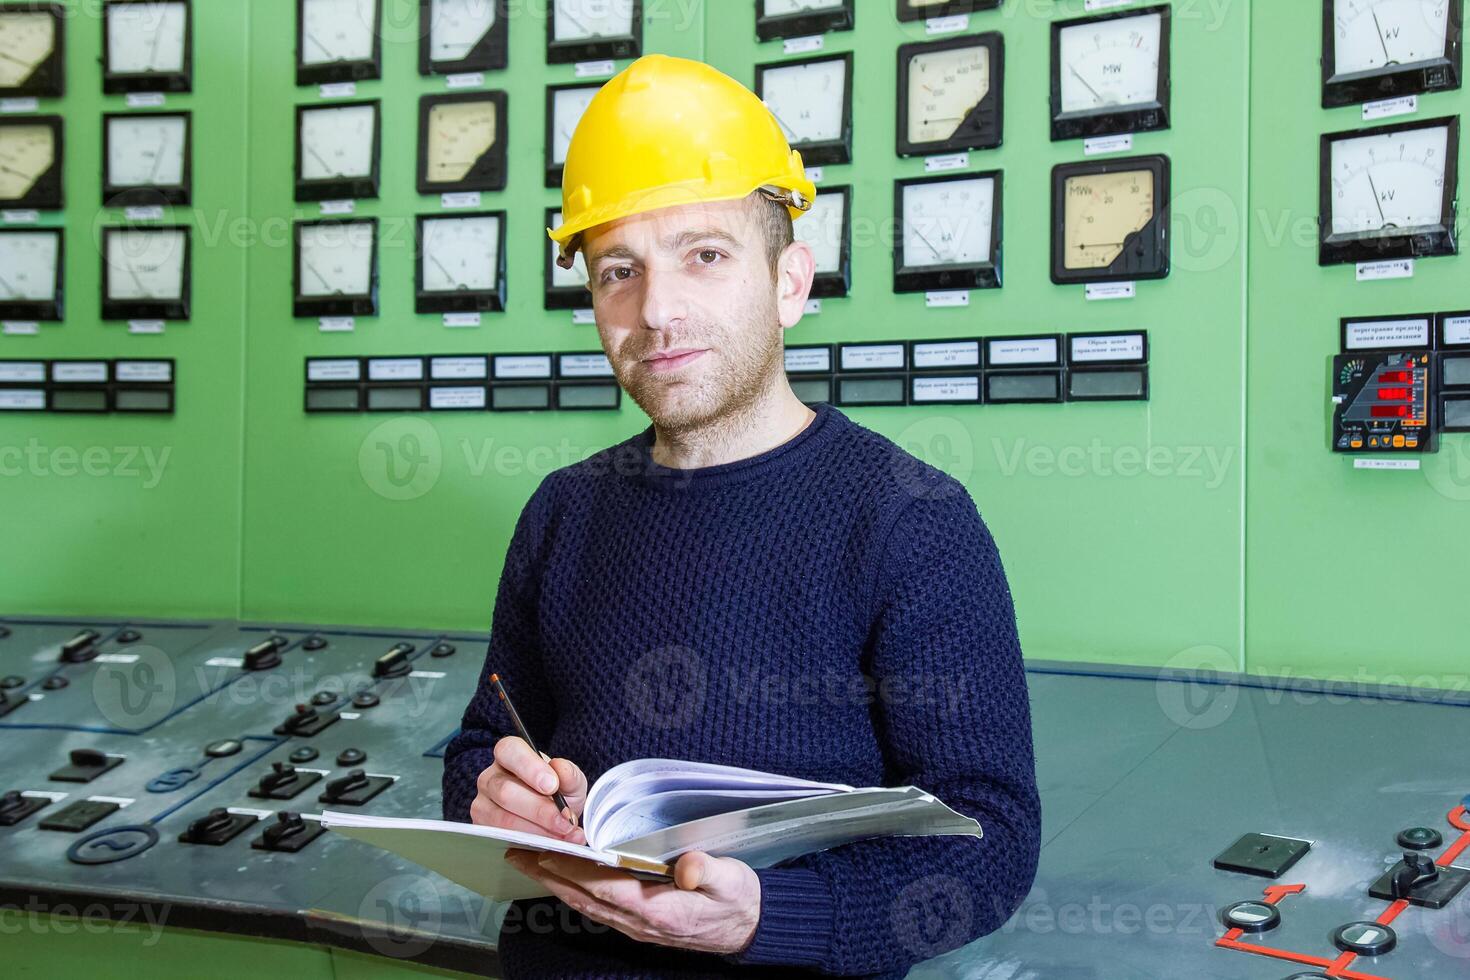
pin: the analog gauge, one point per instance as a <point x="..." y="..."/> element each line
<point x="950" y="94"/>
<point x="812" y="100"/>
<point x="1389" y="192"/>
<point x="827" y="229"/>
<point x="145" y="273"/>
<point x="950" y="233"/>
<point x="564" y="107"/>
<point x="30" y="274"/>
<point x="30" y="162"/>
<point x="801" y="18"/>
<point x="336" y="268"/>
<point x="146" y="46"/>
<point x="1110" y="74"/>
<point x="1107" y="224"/>
<point x="1380" y="49"/>
<point x="587" y="30"/>
<point x="462" y="142"/>
<point x="338" y="40"/>
<point x="31" y="49"/>
<point x="565" y="289"/>
<point x="462" y="36"/>
<point x="337" y="149"/>
<point x="461" y="263"/>
<point x="147" y="155"/>
<point x="925" y="9"/>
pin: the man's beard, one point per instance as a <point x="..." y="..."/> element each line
<point x="745" y="372"/>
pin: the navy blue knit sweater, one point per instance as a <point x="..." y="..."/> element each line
<point x="833" y="609"/>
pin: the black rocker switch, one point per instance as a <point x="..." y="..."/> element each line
<point x="86" y="765"/>
<point x="305" y="721"/>
<point x="289" y="833"/>
<point x="1416" y="869"/>
<point x="16" y="806"/>
<point x="219" y="826"/>
<point x="265" y="654"/>
<point x="80" y="648"/>
<point x="354" y="789"/>
<point x="283" y="782"/>
<point x="1419" y="880"/>
<point x="394" y="663"/>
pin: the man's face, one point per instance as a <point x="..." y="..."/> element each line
<point x="694" y="282"/>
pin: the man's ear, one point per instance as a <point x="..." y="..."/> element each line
<point x="795" y="272"/>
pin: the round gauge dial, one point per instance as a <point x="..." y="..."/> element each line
<point x="1376" y="34"/>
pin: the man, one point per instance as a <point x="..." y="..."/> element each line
<point x="747" y="582"/>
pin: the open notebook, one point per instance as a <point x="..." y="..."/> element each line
<point x="643" y="814"/>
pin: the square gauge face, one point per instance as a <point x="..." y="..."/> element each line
<point x="593" y="30"/>
<point x="1385" y="50"/>
<point x="950" y="94"/>
<point x="812" y="100"/>
<point x="336" y="268"/>
<point x="146" y="159"/>
<point x="31" y="162"/>
<point x="1389" y="192"/>
<point x="827" y="228"/>
<point x="145" y="273"/>
<point x="462" y="36"/>
<point x="1110" y="73"/>
<point x="462" y="144"/>
<point x="461" y="263"/>
<point x="30" y="283"/>
<point x="337" y="150"/>
<point x="32" y="50"/>
<point x="566" y="289"/>
<point x="928" y="9"/>
<point x="949" y="232"/>
<point x="147" y="46"/>
<point x="338" y="40"/>
<point x="1110" y="221"/>
<point x="565" y="105"/>
<point x="801" y="18"/>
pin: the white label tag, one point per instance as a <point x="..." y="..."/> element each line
<point x="796" y="45"/>
<point x="1111" y="290"/>
<point x="337" y="324"/>
<point x="45" y="794"/>
<point x="338" y="207"/>
<point x="949" y="161"/>
<point x="395" y="369"/>
<point x="523" y="366"/>
<point x="432" y="675"/>
<point x="345" y="369"/>
<point x="1120" y="347"/>
<point x="336" y="90"/>
<point x="947" y="297"/>
<point x="1023" y="350"/>
<point x="946" y="389"/>
<point x="115" y="658"/>
<point x="18" y="327"/>
<point x="1092" y="5"/>
<point x="1392" y="269"/>
<point x="440" y="398"/>
<point x="585" y="366"/>
<point x="13" y="372"/>
<point x="224" y="662"/>
<point x="469" y="79"/>
<point x="808" y="359"/>
<point x="584" y="316"/>
<point x="145" y="100"/>
<point x="1386" y="334"/>
<point x="79" y="371"/>
<point x="462" y="319"/>
<point x="145" y="326"/>
<point x="350" y="715"/>
<point x="147" y="371"/>
<point x="814" y="174"/>
<point x="948" y="354"/>
<point x="1107" y="144"/>
<point x="869" y="356"/>
<point x="121" y="801"/>
<point x="246" y="811"/>
<point x="22" y="400"/>
<point x="458" y="368"/>
<point x="150" y="213"/>
<point x="1457" y="330"/>
<point x="947" y="25"/>
<point x="460" y="199"/>
<point x="19" y="105"/>
<point x="1385" y="464"/>
<point x="1390" y="107"/>
<point x="21" y="217"/>
<point x="813" y="307"/>
<point x="592" y="69"/>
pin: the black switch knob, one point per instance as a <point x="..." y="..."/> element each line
<point x="280" y="775"/>
<point x="287" y="825"/>
<point x="212" y="824"/>
<point x="12" y="680"/>
<point x="354" y="780"/>
<point x="263" y="656"/>
<point x="129" y="636"/>
<point x="79" y="648"/>
<point x="394" y="663"/>
<point x="88" y="758"/>
<point x="442" y="650"/>
<point x="313" y="642"/>
<point x="1417" y="869"/>
<point x="11" y="802"/>
<point x="303" y="718"/>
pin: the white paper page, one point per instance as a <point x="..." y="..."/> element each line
<point x="636" y="818"/>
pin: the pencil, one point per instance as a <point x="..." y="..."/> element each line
<point x="515" y="719"/>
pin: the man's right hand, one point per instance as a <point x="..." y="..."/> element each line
<point x="515" y="792"/>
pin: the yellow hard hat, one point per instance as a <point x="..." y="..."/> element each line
<point x="667" y="131"/>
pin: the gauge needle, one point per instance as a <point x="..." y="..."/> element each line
<point x="783" y="123"/>
<point x="320" y="278"/>
<point x="9" y="170"/>
<point x="1079" y="77"/>
<point x="447" y="274"/>
<point x="153" y="55"/>
<point x="312" y="38"/>
<point x="157" y="161"/>
<point x="1376" y="200"/>
<point x="134" y="273"/>
<point x="10" y="57"/>
<point x="9" y="289"/>
<point x="590" y="31"/>
<point x="1379" y="27"/>
<point x="926" y="241"/>
<point x="325" y="165"/>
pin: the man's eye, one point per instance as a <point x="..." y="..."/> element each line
<point x="617" y="273"/>
<point x="708" y="255"/>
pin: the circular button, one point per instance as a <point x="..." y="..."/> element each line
<point x="1252" y="916"/>
<point x="442" y="650"/>
<point x="1365" y="938"/>
<point x="224" y="747"/>
<point x="313" y="642"/>
<point x="12" y="681"/>
<point x="129" y="636"/>
<point x="304" y="754"/>
<point x="350" y="757"/>
<point x="323" y="697"/>
<point x="1420" y="838"/>
<point x="55" y="682"/>
<point x="365" y="699"/>
<point x="4" y="632"/>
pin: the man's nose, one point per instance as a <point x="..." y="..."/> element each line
<point x="664" y="299"/>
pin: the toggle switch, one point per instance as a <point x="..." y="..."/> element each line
<point x="395" y="662"/>
<point x="217" y="827"/>
<point x="305" y="721"/>
<point x="15" y="806"/>
<point x="283" y="782"/>
<point x="86" y="765"/>
<point x="354" y="789"/>
<point x="290" y="833"/>
<point x="80" y="648"/>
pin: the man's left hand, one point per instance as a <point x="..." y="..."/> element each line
<point x="713" y="904"/>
